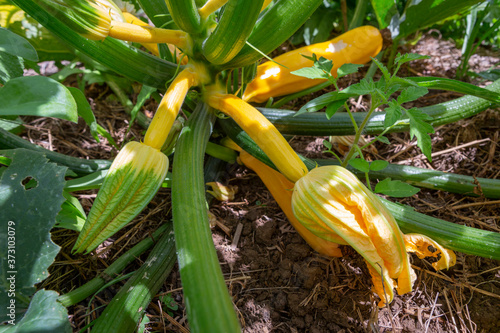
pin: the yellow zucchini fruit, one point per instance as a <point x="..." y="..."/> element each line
<point x="274" y="79"/>
<point x="169" y="107"/>
<point x="265" y="135"/>
<point x="331" y="196"/>
<point x="151" y="47"/>
<point x="210" y="7"/>
<point x="281" y="190"/>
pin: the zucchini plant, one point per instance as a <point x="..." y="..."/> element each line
<point x="222" y="41"/>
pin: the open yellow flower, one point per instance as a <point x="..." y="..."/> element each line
<point x="332" y="198"/>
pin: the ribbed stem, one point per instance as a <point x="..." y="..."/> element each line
<point x="117" y="56"/>
<point x="209" y="306"/>
<point x="287" y="122"/>
<point x="89" y="288"/>
<point x="474" y="241"/>
<point x="432" y="179"/>
<point x="185" y="14"/>
<point x="126" y="309"/>
<point x="277" y="24"/>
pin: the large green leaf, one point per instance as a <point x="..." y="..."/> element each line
<point x="420" y="14"/>
<point x="30" y="198"/>
<point x="45" y="314"/>
<point x="384" y="11"/>
<point x="16" y="45"/>
<point x="10" y="67"/>
<point x="37" y="96"/>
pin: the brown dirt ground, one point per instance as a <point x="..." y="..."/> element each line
<point x="278" y="283"/>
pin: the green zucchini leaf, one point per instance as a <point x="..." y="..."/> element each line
<point x="37" y="96"/>
<point x="30" y="198"/>
<point x="16" y="45"/>
<point x="45" y="314"/>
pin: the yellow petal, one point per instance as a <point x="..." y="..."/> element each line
<point x="222" y="192"/>
<point x="332" y="198"/>
<point x="420" y="245"/>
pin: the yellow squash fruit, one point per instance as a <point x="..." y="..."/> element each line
<point x="333" y="198"/>
<point x="274" y="79"/>
<point x="262" y="131"/>
<point x="169" y="107"/>
<point x="281" y="190"/>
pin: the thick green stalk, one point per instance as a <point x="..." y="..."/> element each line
<point x="232" y="31"/>
<point x="287" y="122"/>
<point x="126" y="309"/>
<point x="436" y="180"/>
<point x="475" y="241"/>
<point x="114" y="270"/>
<point x="209" y="306"/>
<point x="116" y="55"/>
<point x="359" y="14"/>
<point x="420" y="177"/>
<point x="453" y="236"/>
<point x="185" y="14"/>
<point x="277" y="24"/>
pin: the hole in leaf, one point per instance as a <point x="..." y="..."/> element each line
<point x="29" y="183"/>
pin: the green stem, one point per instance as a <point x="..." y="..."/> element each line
<point x="316" y="124"/>
<point x="358" y="133"/>
<point x="221" y="152"/>
<point x="126" y="309"/>
<point x="308" y="91"/>
<point x="209" y="306"/>
<point x="185" y="14"/>
<point x="359" y="14"/>
<point x="89" y="288"/>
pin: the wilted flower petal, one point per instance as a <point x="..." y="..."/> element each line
<point x="332" y="198"/>
<point x="420" y="245"/>
<point x="222" y="192"/>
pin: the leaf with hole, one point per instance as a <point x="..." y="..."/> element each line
<point x="30" y="196"/>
